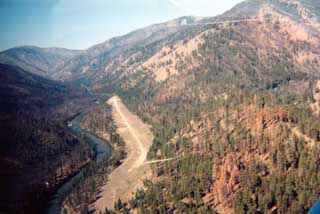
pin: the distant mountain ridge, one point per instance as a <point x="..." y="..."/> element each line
<point x="64" y="64"/>
<point x="95" y="62"/>
<point x="93" y="59"/>
<point x="41" y="61"/>
<point x="60" y="63"/>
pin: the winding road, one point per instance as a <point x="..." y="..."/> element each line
<point x="129" y="176"/>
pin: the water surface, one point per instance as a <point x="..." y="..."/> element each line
<point x="102" y="151"/>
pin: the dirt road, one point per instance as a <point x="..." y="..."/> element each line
<point x="124" y="180"/>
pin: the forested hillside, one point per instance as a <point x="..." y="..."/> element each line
<point x="234" y="101"/>
<point x="38" y="151"/>
<point x="238" y="103"/>
<point x="97" y="120"/>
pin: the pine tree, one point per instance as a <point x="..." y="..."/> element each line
<point x="118" y="205"/>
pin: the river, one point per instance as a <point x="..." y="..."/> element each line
<point x="102" y="151"/>
<point x="316" y="208"/>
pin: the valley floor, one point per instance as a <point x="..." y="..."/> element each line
<point x="124" y="180"/>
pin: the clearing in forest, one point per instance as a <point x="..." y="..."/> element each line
<point x="125" y="179"/>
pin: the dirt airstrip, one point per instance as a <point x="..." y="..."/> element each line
<point x="125" y="179"/>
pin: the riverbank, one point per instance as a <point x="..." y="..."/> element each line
<point x="102" y="151"/>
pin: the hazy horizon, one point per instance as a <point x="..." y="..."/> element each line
<point x="76" y="24"/>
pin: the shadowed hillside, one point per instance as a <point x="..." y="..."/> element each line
<point x="41" y="61"/>
<point x="37" y="150"/>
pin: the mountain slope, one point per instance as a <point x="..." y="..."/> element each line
<point x="94" y="58"/>
<point x="292" y="31"/>
<point x="237" y="102"/>
<point x="313" y="5"/>
<point x="41" y="61"/>
<point x="237" y="105"/>
<point x="37" y="150"/>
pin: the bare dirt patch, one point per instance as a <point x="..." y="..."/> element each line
<point x="129" y="176"/>
<point x="316" y="96"/>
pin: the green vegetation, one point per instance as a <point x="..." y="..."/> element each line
<point x="230" y="78"/>
<point x="38" y="151"/>
<point x="182" y="194"/>
<point x="97" y="120"/>
<point x="238" y="116"/>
